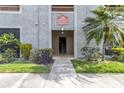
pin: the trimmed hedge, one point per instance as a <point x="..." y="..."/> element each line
<point x="118" y="50"/>
<point x="118" y="53"/>
<point x="25" y="50"/>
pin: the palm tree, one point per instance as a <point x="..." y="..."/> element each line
<point x="103" y="28"/>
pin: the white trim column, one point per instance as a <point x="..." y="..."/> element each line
<point x="75" y="31"/>
<point x="50" y="28"/>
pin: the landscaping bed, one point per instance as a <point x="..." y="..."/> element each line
<point x="82" y="66"/>
<point x="23" y="67"/>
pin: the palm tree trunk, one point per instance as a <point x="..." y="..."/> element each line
<point x="106" y="33"/>
<point x="103" y="51"/>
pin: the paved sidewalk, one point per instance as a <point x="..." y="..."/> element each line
<point x="30" y="80"/>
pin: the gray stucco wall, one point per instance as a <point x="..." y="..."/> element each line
<point x="81" y="12"/>
<point x="27" y="21"/>
<point x="44" y="26"/>
<point x="28" y="18"/>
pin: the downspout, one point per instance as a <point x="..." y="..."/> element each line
<point x="38" y="30"/>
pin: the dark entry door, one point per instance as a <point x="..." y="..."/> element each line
<point x="62" y="45"/>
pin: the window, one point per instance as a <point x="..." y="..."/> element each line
<point x="9" y="8"/>
<point x="112" y="5"/>
<point x="118" y="8"/>
<point x="62" y="8"/>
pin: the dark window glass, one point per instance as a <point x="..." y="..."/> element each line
<point x="62" y="8"/>
<point x="9" y="8"/>
<point x="112" y="5"/>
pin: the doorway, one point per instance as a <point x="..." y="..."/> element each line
<point x="62" y="45"/>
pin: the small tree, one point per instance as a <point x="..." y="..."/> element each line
<point x="102" y="26"/>
<point x="8" y="39"/>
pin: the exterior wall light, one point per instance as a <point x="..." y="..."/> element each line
<point x="62" y="30"/>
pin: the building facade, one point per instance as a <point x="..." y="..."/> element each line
<point x="48" y="26"/>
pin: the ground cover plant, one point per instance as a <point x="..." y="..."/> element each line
<point x="82" y="66"/>
<point x="23" y="67"/>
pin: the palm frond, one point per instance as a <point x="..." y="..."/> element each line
<point x="102" y="25"/>
<point x="94" y="33"/>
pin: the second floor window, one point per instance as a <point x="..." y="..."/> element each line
<point x="63" y="8"/>
<point x="9" y="8"/>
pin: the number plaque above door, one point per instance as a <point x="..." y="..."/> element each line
<point x="62" y="20"/>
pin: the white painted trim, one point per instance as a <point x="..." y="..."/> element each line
<point x="75" y="31"/>
<point x="50" y="27"/>
<point x="12" y="12"/>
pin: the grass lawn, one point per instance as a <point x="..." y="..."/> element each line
<point x="102" y="67"/>
<point x="23" y="67"/>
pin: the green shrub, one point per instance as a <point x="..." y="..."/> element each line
<point x="42" y="56"/>
<point x="103" y="67"/>
<point x="25" y="50"/>
<point x="118" y="53"/>
<point x="6" y="40"/>
<point x="118" y="49"/>
<point x="1" y="59"/>
<point x="91" y="53"/>
<point x="8" y="56"/>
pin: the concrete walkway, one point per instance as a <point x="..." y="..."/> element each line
<point x="62" y="74"/>
<point x="62" y="68"/>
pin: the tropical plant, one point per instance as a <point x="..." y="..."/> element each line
<point x="9" y="55"/>
<point x="42" y="56"/>
<point x="8" y="39"/>
<point x="103" y="28"/>
<point x="91" y="53"/>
